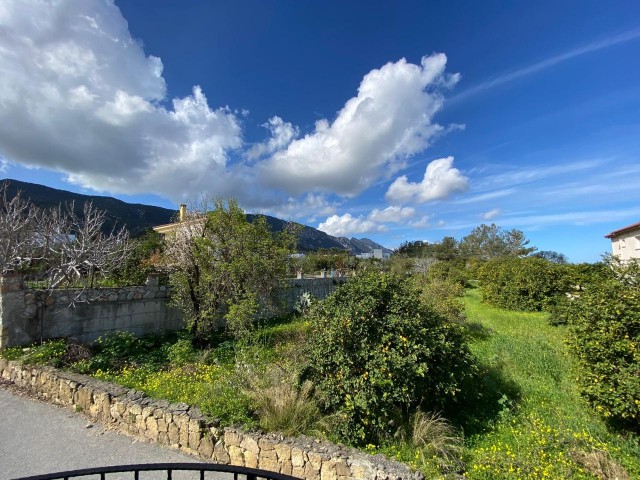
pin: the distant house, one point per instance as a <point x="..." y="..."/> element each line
<point x="625" y="242"/>
<point x="172" y="227"/>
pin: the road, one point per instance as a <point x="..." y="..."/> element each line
<point x="37" y="438"/>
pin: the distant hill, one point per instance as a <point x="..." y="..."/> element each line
<point x="139" y="218"/>
<point x="136" y="217"/>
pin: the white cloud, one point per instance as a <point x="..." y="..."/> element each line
<point x="282" y="134"/>
<point x="491" y="214"/>
<point x="389" y="120"/>
<point x="80" y="96"/>
<point x="346" y="225"/>
<point x="392" y="214"/>
<point x="549" y="62"/>
<point x="421" y="223"/>
<point x="310" y="205"/>
<point x="440" y="181"/>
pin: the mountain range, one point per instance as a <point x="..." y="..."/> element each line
<point x="139" y="218"/>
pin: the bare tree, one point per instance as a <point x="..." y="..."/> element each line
<point x="65" y="247"/>
<point x="16" y="231"/>
<point x="78" y="249"/>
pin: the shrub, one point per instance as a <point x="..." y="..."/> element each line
<point x="528" y="284"/>
<point x="605" y="336"/>
<point x="283" y="405"/>
<point x="444" y="297"/>
<point x="377" y="353"/>
<point x="51" y="352"/>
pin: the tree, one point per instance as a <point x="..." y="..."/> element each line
<point x="19" y="224"/>
<point x="225" y="269"/>
<point x="377" y="353"/>
<point x="59" y="245"/>
<point x="78" y="250"/>
<point x="490" y="241"/>
<point x="551" y="256"/>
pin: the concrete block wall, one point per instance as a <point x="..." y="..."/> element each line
<point x="26" y="315"/>
<point x="184" y="428"/>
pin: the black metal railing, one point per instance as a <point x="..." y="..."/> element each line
<point x="236" y="473"/>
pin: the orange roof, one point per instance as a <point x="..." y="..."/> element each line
<point x="623" y="230"/>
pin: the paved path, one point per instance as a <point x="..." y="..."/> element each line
<point x="37" y="438"/>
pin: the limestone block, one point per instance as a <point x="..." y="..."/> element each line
<point x="235" y="455"/>
<point x="362" y="470"/>
<point x="147" y="412"/>
<point x="173" y="433"/>
<point x="310" y="472"/>
<point x="135" y="409"/>
<point x="163" y="438"/>
<point x="297" y="457"/>
<point x="195" y="425"/>
<point x="316" y="459"/>
<point x="232" y="438"/>
<point x="298" y="472"/>
<point x="206" y="447"/>
<point x="194" y="440"/>
<point x="220" y="453"/>
<point x="265" y="444"/>
<point x="250" y="459"/>
<point x="162" y="424"/>
<point x="268" y="460"/>
<point x="283" y="451"/>
<point x="327" y="472"/>
<point x="151" y="425"/>
<point x="250" y="444"/>
<point x="285" y="467"/>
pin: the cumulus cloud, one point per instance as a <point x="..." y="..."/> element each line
<point x="392" y="214"/>
<point x="346" y="225"/>
<point x="80" y="96"/>
<point x="310" y="205"/>
<point x="282" y="133"/>
<point x="421" y="222"/>
<point x="491" y="214"/>
<point x="389" y="120"/>
<point x="440" y="181"/>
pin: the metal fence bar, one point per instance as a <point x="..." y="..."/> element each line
<point x="248" y="473"/>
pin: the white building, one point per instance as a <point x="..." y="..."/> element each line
<point x="625" y="242"/>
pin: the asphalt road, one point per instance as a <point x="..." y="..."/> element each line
<point x="37" y="438"/>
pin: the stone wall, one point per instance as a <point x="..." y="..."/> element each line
<point x="26" y="315"/>
<point x="186" y="429"/>
<point x="86" y="315"/>
<point x="318" y="287"/>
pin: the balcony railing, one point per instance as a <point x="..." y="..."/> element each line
<point x="166" y="471"/>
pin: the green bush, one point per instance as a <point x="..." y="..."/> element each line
<point x="527" y="284"/>
<point x="51" y="352"/>
<point x="377" y="354"/>
<point x="443" y="296"/>
<point x="605" y="336"/>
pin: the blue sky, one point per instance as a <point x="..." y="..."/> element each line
<point x="388" y="120"/>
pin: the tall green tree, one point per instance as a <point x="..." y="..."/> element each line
<point x="225" y="269"/>
<point x="491" y="241"/>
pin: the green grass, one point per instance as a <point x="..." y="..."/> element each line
<point x="530" y="420"/>
<point x="522" y="415"/>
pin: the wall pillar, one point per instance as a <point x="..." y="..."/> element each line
<point x="14" y="324"/>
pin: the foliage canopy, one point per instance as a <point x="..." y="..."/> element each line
<point x="377" y="353"/>
<point x="226" y="269"/>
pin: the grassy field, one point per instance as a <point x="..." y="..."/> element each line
<point x="529" y="419"/>
<point x="521" y="417"/>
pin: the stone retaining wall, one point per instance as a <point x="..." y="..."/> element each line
<point x="186" y="429"/>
